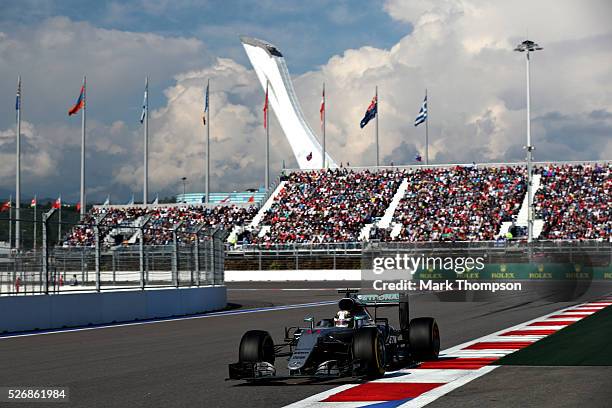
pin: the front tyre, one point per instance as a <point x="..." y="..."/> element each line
<point x="424" y="339"/>
<point x="369" y="349"/>
<point x="256" y="346"/>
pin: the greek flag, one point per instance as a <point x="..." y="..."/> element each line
<point x="145" y="102"/>
<point x="205" y="104"/>
<point x="18" y="98"/>
<point x="422" y="113"/>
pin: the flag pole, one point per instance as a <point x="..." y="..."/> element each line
<point x="35" y="206"/>
<point x="377" y="114"/>
<point x="427" y="130"/>
<point x="18" y="170"/>
<point x="324" y="164"/>
<point x="11" y="221"/>
<point x="83" y="121"/>
<point x="145" y="186"/>
<point x="207" y="102"/>
<point x="267" y="179"/>
<point x="59" y="224"/>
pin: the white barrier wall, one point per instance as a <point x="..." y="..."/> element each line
<point x="294" y="275"/>
<point x="38" y="312"/>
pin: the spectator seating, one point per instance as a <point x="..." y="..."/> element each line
<point x="328" y="206"/>
<point x="454" y="203"/>
<point x="158" y="230"/>
<point x="575" y="201"/>
<point x="458" y="203"/>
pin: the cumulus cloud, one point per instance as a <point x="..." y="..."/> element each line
<point x="237" y="137"/>
<point x="52" y="57"/>
<point x="35" y="161"/>
<point x="460" y="50"/>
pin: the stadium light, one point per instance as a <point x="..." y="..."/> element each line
<point x="528" y="47"/>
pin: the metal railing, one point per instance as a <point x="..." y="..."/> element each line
<point x="193" y="257"/>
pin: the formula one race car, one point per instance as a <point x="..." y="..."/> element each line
<point x="353" y="344"/>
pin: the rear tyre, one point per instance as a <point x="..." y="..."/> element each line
<point x="424" y="339"/>
<point x="369" y="349"/>
<point x="256" y="346"/>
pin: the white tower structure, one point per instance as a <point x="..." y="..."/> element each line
<point x="270" y="67"/>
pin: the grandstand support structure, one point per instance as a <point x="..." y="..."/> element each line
<point x="270" y="67"/>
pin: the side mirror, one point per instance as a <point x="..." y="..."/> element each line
<point x="310" y="320"/>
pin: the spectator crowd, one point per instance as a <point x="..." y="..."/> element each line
<point x="328" y="206"/>
<point x="124" y="222"/>
<point x="575" y="201"/>
<point x="459" y="203"/>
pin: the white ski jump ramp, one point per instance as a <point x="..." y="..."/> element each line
<point x="269" y="65"/>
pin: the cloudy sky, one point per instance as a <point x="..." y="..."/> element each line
<point x="460" y="50"/>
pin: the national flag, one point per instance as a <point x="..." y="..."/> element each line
<point x="252" y="199"/>
<point x="107" y="201"/>
<point x="145" y="102"/>
<point x="225" y="200"/>
<point x="33" y="202"/>
<point x="80" y="103"/>
<point x="205" y="104"/>
<point x="18" y="97"/>
<point x="78" y="206"/>
<point x="322" y="109"/>
<point x="6" y="206"/>
<point x="422" y="117"/>
<point x="156" y="201"/>
<point x="370" y="112"/>
<point x="131" y="202"/>
<point x="418" y="158"/>
<point x="57" y="204"/>
<point x="265" y="109"/>
<point x="309" y="157"/>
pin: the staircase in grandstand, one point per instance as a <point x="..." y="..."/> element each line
<point x="522" y="216"/>
<point x="254" y="224"/>
<point x="385" y="220"/>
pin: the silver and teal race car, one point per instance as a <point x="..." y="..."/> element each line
<point x="355" y="343"/>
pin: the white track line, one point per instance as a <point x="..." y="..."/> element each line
<point x="173" y="319"/>
<point x="452" y="377"/>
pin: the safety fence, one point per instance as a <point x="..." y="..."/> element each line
<point x="351" y="255"/>
<point x="94" y="256"/>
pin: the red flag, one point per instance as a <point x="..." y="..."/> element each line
<point x="33" y="203"/>
<point x="265" y="109"/>
<point x="225" y="200"/>
<point x="78" y="206"/>
<point x="252" y="199"/>
<point x="58" y="203"/>
<point x="80" y="103"/>
<point x="309" y="157"/>
<point x="5" y="207"/>
<point x="322" y="110"/>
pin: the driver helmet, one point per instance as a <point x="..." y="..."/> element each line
<point x="343" y="319"/>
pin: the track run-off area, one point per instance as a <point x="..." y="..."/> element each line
<point x="183" y="361"/>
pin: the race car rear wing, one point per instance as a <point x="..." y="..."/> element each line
<point x="378" y="300"/>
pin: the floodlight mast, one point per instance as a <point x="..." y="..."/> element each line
<point x="528" y="47"/>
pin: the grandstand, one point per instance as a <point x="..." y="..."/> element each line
<point x="455" y="203"/>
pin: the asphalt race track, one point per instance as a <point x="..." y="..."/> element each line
<point x="184" y="362"/>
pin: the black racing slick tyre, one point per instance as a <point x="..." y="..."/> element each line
<point x="369" y="349"/>
<point x="424" y="339"/>
<point x="256" y="346"/>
